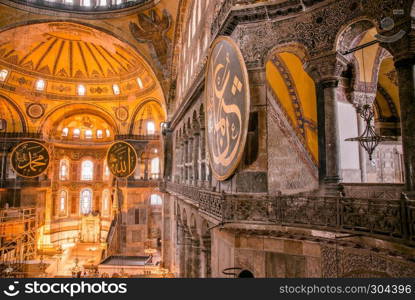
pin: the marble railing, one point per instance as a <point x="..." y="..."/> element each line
<point x="385" y="219"/>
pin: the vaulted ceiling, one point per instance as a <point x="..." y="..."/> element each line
<point x="100" y="64"/>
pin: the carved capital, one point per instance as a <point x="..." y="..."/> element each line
<point x="360" y="98"/>
<point x="326" y="68"/>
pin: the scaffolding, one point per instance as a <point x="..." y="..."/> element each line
<point x="18" y="228"/>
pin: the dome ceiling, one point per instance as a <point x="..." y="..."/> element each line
<point x="66" y="55"/>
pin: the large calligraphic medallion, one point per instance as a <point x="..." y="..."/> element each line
<point x="122" y="159"/>
<point x="227" y="107"/>
<point x="30" y="159"/>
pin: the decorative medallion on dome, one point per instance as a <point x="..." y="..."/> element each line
<point x="121" y="113"/>
<point x="35" y="110"/>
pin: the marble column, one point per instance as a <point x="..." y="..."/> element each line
<point x="196" y="145"/>
<point x="185" y="159"/>
<point x="202" y="155"/>
<point x="181" y="238"/>
<point x="146" y="169"/>
<point x="206" y="255"/>
<point x="331" y="153"/>
<point x="188" y="253"/>
<point x="406" y="76"/>
<point x="190" y="161"/>
<point x="195" y="257"/>
<point x="326" y="72"/>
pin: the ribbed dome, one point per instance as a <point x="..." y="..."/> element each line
<point x="68" y="51"/>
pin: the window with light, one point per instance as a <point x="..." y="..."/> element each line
<point x="155" y="200"/>
<point x="64" y="170"/>
<point x="86" y="201"/>
<point x="76" y="133"/>
<point x="105" y="202"/>
<point x="40" y="85"/>
<point x="62" y="202"/>
<point x="88" y="134"/>
<point x="81" y="90"/>
<point x="155" y="168"/>
<point x="151" y="128"/>
<point x="3" y="74"/>
<point x="87" y="170"/>
<point x="65" y="131"/>
<point x="107" y="172"/>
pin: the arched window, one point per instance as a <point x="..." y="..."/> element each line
<point x="87" y="170"/>
<point x="105" y="202"/>
<point x="88" y="134"/>
<point x="155" y="168"/>
<point x="64" y="169"/>
<point x="151" y="128"/>
<point x="76" y="133"/>
<point x="3" y="74"/>
<point x="99" y="134"/>
<point x="63" y="198"/>
<point x="107" y="172"/>
<point x="155" y="200"/>
<point x="86" y="201"/>
<point x="65" y="131"/>
<point x="3" y="124"/>
<point x="40" y="85"/>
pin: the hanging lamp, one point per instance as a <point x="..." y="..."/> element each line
<point x="369" y="139"/>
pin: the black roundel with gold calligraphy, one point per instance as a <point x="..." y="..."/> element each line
<point x="227" y="107"/>
<point x="121" y="159"/>
<point x="30" y="159"/>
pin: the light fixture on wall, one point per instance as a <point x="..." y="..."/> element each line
<point x="369" y="139"/>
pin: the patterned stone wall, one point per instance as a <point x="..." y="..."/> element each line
<point x="289" y="171"/>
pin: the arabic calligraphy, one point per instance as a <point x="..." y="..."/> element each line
<point x="30" y="159"/>
<point x="227" y="107"/>
<point x="121" y="159"/>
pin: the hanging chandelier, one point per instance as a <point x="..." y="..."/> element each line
<point x="369" y="139"/>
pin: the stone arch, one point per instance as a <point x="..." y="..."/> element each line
<point x="21" y="116"/>
<point x="65" y="110"/>
<point x="295" y="48"/>
<point x="348" y="33"/>
<point x="139" y="107"/>
<point x="185" y="217"/>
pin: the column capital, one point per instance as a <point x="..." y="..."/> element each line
<point x="326" y="69"/>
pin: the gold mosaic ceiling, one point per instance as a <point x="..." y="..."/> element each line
<point x="66" y="55"/>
